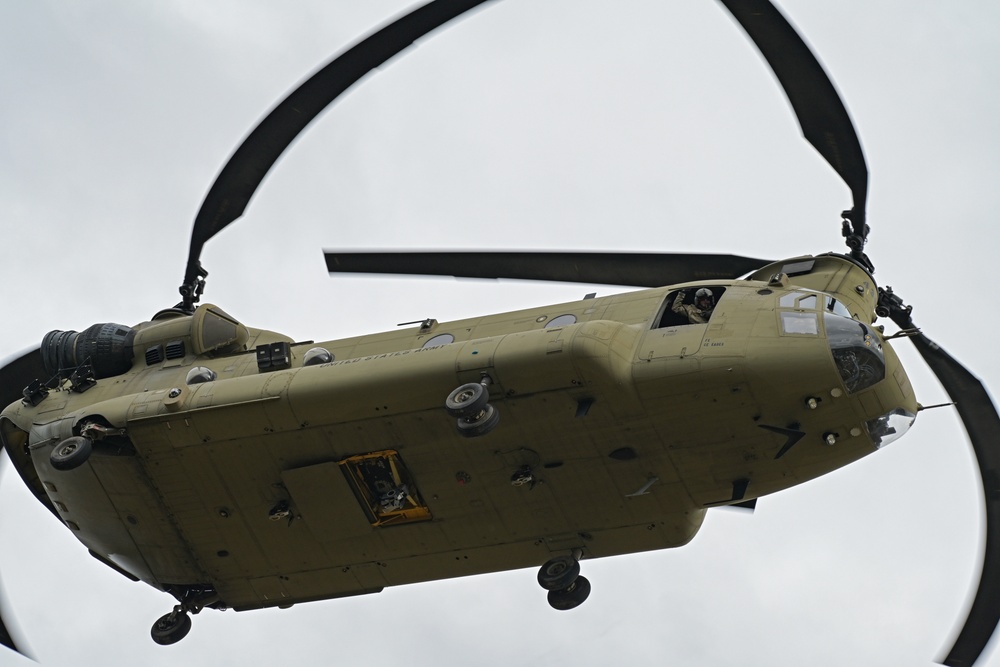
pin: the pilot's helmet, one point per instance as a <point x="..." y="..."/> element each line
<point x="704" y="298"/>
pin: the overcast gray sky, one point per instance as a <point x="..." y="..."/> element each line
<point x="631" y="125"/>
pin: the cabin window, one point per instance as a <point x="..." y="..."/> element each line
<point x="561" y="321"/>
<point x="440" y="339"/>
<point x="692" y="305"/>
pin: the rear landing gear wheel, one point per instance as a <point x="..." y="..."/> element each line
<point x="571" y="597"/>
<point x="467" y="401"/>
<point x="71" y="453"/>
<point x="479" y="424"/>
<point x="171" y="628"/>
<point x="558" y="573"/>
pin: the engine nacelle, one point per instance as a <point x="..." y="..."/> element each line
<point x="107" y="347"/>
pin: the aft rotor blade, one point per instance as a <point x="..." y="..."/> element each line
<point x="17" y="372"/>
<point x="5" y="635"/>
<point x="602" y="268"/>
<point x="243" y="173"/>
<point x="5" y="638"/>
<point x="982" y="423"/>
<point x="819" y="108"/>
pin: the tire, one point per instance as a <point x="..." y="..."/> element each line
<point x="467" y="401"/>
<point x="572" y="597"/>
<point x="71" y="453"/>
<point x="481" y="424"/>
<point x="558" y="573"/>
<point x="170" y="628"/>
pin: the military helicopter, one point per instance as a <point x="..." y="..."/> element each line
<point x="497" y="432"/>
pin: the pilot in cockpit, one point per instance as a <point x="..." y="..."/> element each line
<point x="698" y="312"/>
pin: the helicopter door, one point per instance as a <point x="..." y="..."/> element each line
<point x="680" y="324"/>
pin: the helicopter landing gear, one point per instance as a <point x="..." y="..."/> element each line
<point x="570" y="597"/>
<point x="71" y="453"/>
<point x="171" y="628"/>
<point x="560" y="576"/>
<point x="469" y="404"/>
<point x="558" y="572"/>
<point x="479" y="424"/>
<point x="468" y="400"/>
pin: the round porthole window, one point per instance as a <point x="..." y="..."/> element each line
<point x="561" y="321"/>
<point x="316" y="356"/>
<point x="440" y="339"/>
<point x="199" y="374"/>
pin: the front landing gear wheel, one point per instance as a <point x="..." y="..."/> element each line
<point x="171" y="628"/>
<point x="558" y="573"/>
<point x="571" y="597"/>
<point x="71" y="453"/>
<point x="479" y="424"/>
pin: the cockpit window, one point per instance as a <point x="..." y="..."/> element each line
<point x="836" y="307"/>
<point x="857" y="352"/>
<point x="693" y="305"/>
<point x="889" y="427"/>
<point x="799" y="299"/>
<point x="793" y="322"/>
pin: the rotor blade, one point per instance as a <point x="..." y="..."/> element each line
<point x="819" y="108"/>
<point x="17" y="372"/>
<point x="982" y="423"/>
<point x="5" y="636"/>
<point x="602" y="268"/>
<point x="243" y="173"/>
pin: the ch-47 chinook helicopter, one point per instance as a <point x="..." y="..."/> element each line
<point x="127" y="432"/>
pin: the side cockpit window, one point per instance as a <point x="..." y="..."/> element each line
<point x="689" y="306"/>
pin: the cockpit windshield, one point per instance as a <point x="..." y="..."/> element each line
<point x="856" y="351"/>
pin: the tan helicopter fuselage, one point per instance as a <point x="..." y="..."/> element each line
<point x="274" y="482"/>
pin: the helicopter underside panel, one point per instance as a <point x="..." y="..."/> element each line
<point x="295" y="515"/>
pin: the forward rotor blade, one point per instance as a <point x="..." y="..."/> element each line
<point x="243" y="173"/>
<point x="819" y="108"/>
<point x="602" y="268"/>
<point x="982" y="423"/>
